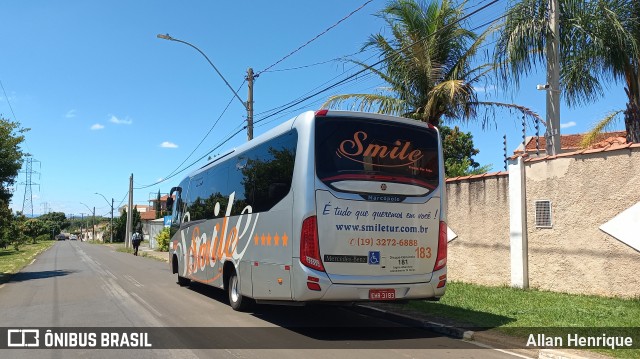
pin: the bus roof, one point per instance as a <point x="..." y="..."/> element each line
<point x="289" y="124"/>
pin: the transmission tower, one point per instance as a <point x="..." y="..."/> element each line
<point x="27" y="202"/>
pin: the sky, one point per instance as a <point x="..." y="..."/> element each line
<point x="105" y="99"/>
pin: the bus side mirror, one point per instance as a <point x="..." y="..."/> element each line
<point x="169" y="198"/>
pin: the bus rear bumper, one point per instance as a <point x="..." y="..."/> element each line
<point x="327" y="291"/>
<point x="350" y="292"/>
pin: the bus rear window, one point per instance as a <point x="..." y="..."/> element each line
<point x="361" y="149"/>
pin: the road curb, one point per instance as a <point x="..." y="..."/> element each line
<point x="440" y="328"/>
<point x="490" y="340"/>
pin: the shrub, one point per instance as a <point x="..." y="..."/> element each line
<point x="42" y="238"/>
<point x="163" y="240"/>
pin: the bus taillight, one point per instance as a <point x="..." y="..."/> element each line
<point x="441" y="259"/>
<point x="309" y="246"/>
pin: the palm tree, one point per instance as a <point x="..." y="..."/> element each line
<point x="427" y="64"/>
<point x="599" y="42"/>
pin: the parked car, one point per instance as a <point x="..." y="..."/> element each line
<point x="61" y="237"/>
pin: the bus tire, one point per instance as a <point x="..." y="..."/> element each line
<point x="236" y="300"/>
<point x="182" y="281"/>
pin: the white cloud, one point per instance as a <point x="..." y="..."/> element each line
<point x="70" y="114"/>
<point x="117" y="121"/>
<point x="97" y="126"/>
<point x="568" y="124"/>
<point x="167" y="144"/>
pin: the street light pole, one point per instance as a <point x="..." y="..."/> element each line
<point x="250" y="78"/>
<point x="93" y="218"/>
<point x="111" y="226"/>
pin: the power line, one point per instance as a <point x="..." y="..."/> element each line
<point x="196" y="161"/>
<point x="341" y="58"/>
<point x="316" y="37"/>
<point x="300" y="100"/>
<point x="8" y="102"/>
<point x="201" y="141"/>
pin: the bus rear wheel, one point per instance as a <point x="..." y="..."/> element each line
<point x="236" y="300"/>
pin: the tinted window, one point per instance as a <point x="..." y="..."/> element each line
<point x="374" y="150"/>
<point x="261" y="177"/>
<point x="205" y="190"/>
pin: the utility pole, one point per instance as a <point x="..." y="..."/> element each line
<point x="249" y="104"/>
<point x="111" y="227"/>
<point x="81" y="224"/>
<point x="552" y="135"/>
<point x="93" y="223"/>
<point x="127" y="240"/>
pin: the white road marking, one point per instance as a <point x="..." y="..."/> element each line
<point x="500" y="350"/>
<point x="132" y="280"/>
<point x="147" y="305"/>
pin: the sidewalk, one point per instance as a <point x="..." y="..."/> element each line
<point x="400" y="314"/>
<point x="144" y="249"/>
<point x="484" y="338"/>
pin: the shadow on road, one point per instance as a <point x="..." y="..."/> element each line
<point x="327" y="326"/>
<point x="25" y="276"/>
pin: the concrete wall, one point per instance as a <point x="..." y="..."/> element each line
<point x="478" y="212"/>
<point x="574" y="256"/>
<point x="585" y="191"/>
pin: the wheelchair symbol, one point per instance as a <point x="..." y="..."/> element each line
<point x="374" y="257"/>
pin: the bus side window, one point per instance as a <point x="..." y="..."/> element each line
<point x="262" y="176"/>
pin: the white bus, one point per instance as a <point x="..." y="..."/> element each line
<point x="330" y="206"/>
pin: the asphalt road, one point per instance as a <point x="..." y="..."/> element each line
<point x="75" y="286"/>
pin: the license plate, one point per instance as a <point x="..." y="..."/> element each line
<point x="382" y="294"/>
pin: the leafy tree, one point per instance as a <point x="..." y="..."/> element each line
<point x="11" y="136"/>
<point x="120" y="227"/>
<point x="6" y="218"/>
<point x="35" y="227"/>
<point x="599" y="42"/>
<point x="458" y="153"/>
<point x="56" y="220"/>
<point x="120" y="224"/>
<point x="136" y="219"/>
<point x="16" y="230"/>
<point x="428" y="64"/>
<point x="158" y="205"/>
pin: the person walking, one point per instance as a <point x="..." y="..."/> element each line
<point x="135" y="241"/>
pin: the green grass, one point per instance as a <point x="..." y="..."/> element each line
<point x="510" y="307"/>
<point x="11" y="261"/>
<point x="515" y="311"/>
<point x="130" y="250"/>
